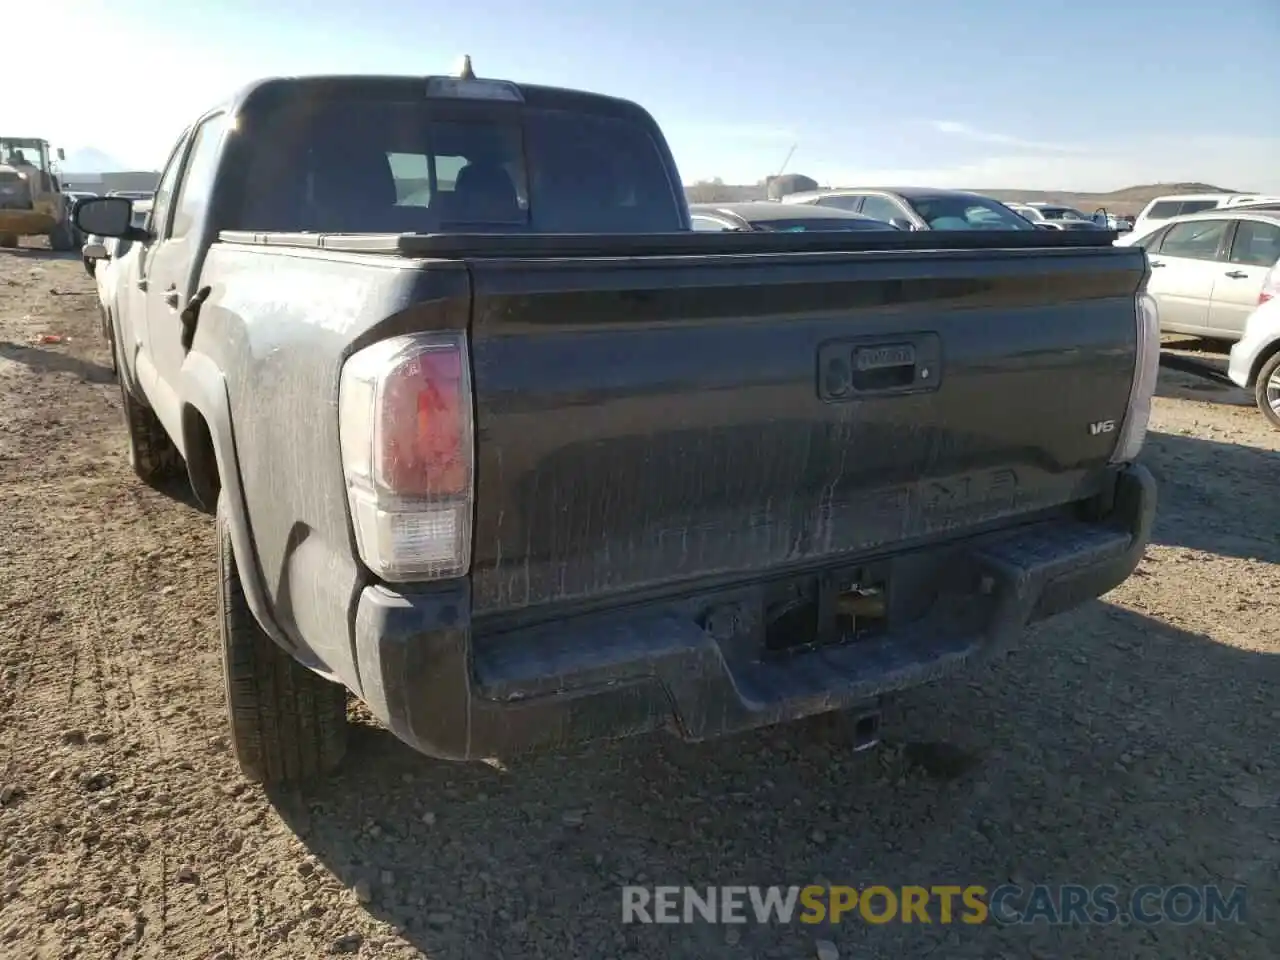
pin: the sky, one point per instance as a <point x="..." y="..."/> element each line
<point x="1093" y="95"/>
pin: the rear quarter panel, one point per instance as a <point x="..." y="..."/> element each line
<point x="278" y="324"/>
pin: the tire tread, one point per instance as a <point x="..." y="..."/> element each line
<point x="288" y="725"/>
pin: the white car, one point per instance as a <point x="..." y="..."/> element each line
<point x="1209" y="271"/>
<point x="1255" y="358"/>
<point x="1162" y="209"/>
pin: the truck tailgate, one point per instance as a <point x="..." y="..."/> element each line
<point x="647" y="420"/>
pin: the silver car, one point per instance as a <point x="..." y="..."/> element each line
<point x="1208" y="270"/>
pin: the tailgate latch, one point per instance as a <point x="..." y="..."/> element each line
<point x="869" y="367"/>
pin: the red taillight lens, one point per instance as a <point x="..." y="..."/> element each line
<point x="408" y="455"/>
<point x="423" y="448"/>
<point x="1270" y="286"/>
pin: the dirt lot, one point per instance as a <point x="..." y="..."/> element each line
<point x="1132" y="742"/>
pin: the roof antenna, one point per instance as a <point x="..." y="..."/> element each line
<point x="464" y="71"/>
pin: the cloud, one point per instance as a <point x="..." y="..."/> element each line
<point x="958" y="129"/>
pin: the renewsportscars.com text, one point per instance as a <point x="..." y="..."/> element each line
<point x="940" y="903"/>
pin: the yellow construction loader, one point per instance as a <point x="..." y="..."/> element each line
<point x="31" y="199"/>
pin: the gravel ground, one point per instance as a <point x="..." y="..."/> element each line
<point x="1133" y="741"/>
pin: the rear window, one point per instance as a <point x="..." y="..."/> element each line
<point x="373" y="166"/>
<point x="1195" y="206"/>
<point x="959" y="212"/>
<point x="841" y="202"/>
<point x="1256" y="244"/>
<point x="1165" y="209"/>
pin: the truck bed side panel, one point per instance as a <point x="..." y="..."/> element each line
<point x="280" y="322"/>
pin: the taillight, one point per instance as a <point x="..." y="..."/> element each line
<point x="1270" y="286"/>
<point x="408" y="454"/>
<point x="1146" y="368"/>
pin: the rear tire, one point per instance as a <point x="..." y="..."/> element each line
<point x="1266" y="392"/>
<point x="152" y="454"/>
<point x="288" y="725"/>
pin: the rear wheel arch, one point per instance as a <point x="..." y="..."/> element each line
<point x="202" y="461"/>
<point x="1270" y="368"/>
<point x="1263" y="357"/>
<point x="213" y="473"/>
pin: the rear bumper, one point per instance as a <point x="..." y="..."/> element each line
<point x="452" y="695"/>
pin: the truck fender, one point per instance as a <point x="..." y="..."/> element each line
<point x="206" y="406"/>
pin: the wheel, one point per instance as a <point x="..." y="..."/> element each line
<point x="288" y="724"/>
<point x="1266" y="392"/>
<point x="9" y="240"/>
<point x="152" y="454"/>
<point x="63" y="238"/>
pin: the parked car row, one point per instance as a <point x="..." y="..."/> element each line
<point x="1058" y="217"/>
<point x="1216" y="274"/>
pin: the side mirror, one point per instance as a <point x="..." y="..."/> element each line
<point x="105" y="216"/>
<point x="902" y="223"/>
<point x="62" y="154"/>
<point x="94" y="251"/>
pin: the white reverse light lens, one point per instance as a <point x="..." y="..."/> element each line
<point x="1146" y="370"/>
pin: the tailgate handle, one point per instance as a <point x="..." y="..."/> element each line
<point x="865" y="367"/>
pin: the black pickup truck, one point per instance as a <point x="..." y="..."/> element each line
<point x="498" y="443"/>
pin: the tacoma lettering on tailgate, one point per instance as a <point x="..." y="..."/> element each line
<point x="960" y="497"/>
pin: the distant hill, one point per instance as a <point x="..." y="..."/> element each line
<point x="91" y="160"/>
<point x="1127" y="200"/>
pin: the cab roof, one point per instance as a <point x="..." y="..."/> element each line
<point x="409" y="88"/>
